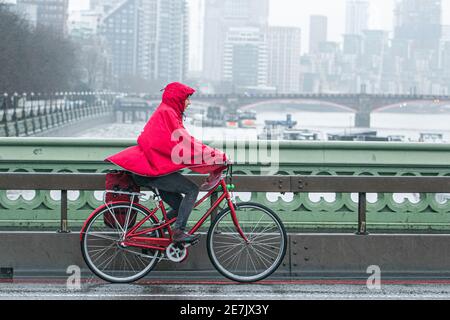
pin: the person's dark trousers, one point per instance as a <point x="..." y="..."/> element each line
<point x="170" y="188"/>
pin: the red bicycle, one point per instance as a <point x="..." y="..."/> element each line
<point x="246" y="241"/>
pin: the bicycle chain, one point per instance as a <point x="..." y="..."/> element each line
<point x="161" y="257"/>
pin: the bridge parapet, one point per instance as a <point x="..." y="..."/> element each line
<point x="335" y="209"/>
<point x="23" y="115"/>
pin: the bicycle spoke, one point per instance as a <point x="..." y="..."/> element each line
<point x="253" y="260"/>
<point x="233" y="256"/>
<point x="246" y="264"/>
<point x="256" y="225"/>
<point x="235" y="259"/>
<point x="253" y="263"/>
<point x="263" y="232"/>
<point x="102" y="237"/>
<point x="228" y="245"/>
<point x="102" y="252"/>
<point x="232" y="232"/>
<point x="226" y="251"/>
<point x="138" y="259"/>
<point x="269" y="247"/>
<point x="264" y="240"/>
<point x="129" y="263"/>
<point x="108" y="260"/>
<point x="238" y="258"/>
<point x="261" y="256"/>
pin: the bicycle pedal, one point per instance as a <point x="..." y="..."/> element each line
<point x="180" y="244"/>
<point x="193" y="243"/>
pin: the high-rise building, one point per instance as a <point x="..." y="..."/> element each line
<point x="172" y="40"/>
<point x="84" y="24"/>
<point x="357" y="17"/>
<point x="148" y="39"/>
<point x="419" y="22"/>
<point x="196" y="38"/>
<point x="284" y="46"/>
<point x="27" y="11"/>
<point x="245" y="57"/>
<point x="444" y="56"/>
<point x="318" y="32"/>
<point x="445" y="33"/>
<point x="103" y="5"/>
<point x="220" y="16"/>
<point x="53" y="14"/>
<point x="416" y="43"/>
<point x="375" y="42"/>
<point x="352" y="44"/>
<point x="120" y="27"/>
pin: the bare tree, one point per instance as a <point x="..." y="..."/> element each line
<point x="34" y="59"/>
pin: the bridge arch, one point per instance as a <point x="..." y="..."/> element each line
<point x="405" y="103"/>
<point x="296" y="101"/>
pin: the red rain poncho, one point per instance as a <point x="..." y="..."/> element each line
<point x="165" y="146"/>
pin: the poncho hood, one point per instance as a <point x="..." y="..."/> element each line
<point x="175" y="95"/>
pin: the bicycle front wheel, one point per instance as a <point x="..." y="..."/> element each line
<point x="241" y="261"/>
<point x="102" y="249"/>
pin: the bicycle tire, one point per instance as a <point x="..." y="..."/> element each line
<point x="274" y="250"/>
<point x="87" y="256"/>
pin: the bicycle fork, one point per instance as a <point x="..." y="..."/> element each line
<point x="233" y="207"/>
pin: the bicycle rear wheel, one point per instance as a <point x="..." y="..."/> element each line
<point x="102" y="250"/>
<point x="241" y="261"/>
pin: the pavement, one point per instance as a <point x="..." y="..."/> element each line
<point x="205" y="287"/>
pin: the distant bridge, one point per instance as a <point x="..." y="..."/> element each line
<point x="34" y="114"/>
<point x="361" y="104"/>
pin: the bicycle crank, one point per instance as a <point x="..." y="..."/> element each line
<point x="176" y="252"/>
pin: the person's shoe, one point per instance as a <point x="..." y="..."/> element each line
<point x="180" y="236"/>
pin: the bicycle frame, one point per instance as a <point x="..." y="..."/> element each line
<point x="135" y="239"/>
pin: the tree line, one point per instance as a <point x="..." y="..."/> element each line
<point x="34" y="59"/>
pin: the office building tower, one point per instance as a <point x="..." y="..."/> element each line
<point x="220" y="16"/>
<point x="172" y="40"/>
<point x="318" y="32"/>
<point x="120" y="27"/>
<point x="357" y="17"/>
<point x="284" y="46"/>
<point x="53" y="14"/>
<point x="148" y="39"/>
<point x="245" y="57"/>
<point x="419" y="23"/>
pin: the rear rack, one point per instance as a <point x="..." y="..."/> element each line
<point x="140" y="195"/>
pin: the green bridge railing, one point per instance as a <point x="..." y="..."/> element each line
<point x="29" y="114"/>
<point x="40" y="209"/>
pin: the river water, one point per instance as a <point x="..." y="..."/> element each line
<point x="395" y="121"/>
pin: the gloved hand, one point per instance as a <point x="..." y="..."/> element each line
<point x="212" y="180"/>
<point x="227" y="160"/>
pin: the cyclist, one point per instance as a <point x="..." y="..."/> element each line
<point x="164" y="148"/>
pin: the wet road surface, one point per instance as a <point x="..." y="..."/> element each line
<point x="212" y="289"/>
